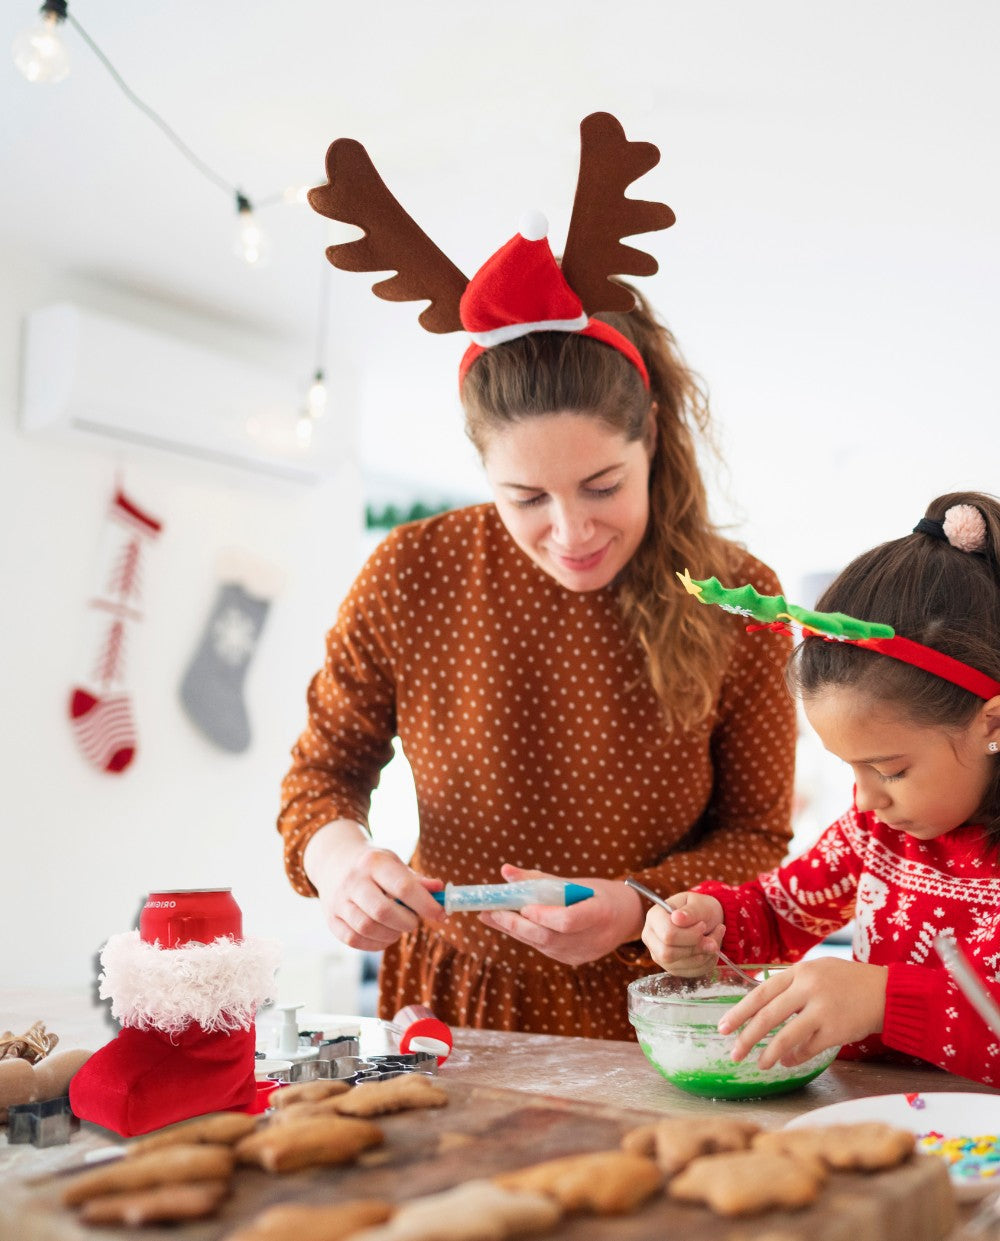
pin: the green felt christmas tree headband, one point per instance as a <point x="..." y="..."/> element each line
<point x="773" y="612"/>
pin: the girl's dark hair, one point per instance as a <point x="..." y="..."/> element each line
<point x="553" y="372"/>
<point x="929" y="591"/>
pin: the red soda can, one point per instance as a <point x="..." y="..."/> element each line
<point x="190" y="914"/>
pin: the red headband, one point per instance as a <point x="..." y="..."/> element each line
<point x="521" y="288"/>
<point x="908" y="652"/>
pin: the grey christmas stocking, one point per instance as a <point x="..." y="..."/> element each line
<point x="212" y="690"/>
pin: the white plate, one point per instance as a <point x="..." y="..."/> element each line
<point x="951" y="1114"/>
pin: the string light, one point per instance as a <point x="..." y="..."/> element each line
<point x="40" y="53"/>
<point x="316" y="396"/>
<point x="41" y="56"/>
<point x="251" y="242"/>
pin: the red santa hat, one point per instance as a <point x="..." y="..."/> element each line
<point x="521" y="289"/>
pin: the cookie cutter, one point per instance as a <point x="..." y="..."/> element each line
<point x="339" y="1046"/>
<point x="354" y="1069"/>
<point x="49" y="1122"/>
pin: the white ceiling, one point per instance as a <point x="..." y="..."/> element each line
<point x="806" y="146"/>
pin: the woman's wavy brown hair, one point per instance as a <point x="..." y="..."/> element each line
<point x="553" y="372"/>
<point x="935" y="594"/>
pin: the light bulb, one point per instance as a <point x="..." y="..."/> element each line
<point x="40" y="53"/>
<point x="316" y="397"/>
<point x="251" y="244"/>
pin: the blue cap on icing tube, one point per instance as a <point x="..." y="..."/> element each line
<point x="577" y="892"/>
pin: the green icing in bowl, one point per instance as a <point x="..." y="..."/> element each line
<point x="677" y="1031"/>
<point x="723" y="1084"/>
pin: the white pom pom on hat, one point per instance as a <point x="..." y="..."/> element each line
<point x="965" y="528"/>
<point x="533" y="226"/>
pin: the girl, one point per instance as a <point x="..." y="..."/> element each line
<point x="911" y="703"/>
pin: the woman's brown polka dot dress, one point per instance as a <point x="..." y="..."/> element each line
<point x="535" y="739"/>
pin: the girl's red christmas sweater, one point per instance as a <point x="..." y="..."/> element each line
<point x="901" y="894"/>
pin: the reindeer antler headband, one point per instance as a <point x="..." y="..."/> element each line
<point x="774" y="613"/>
<point x="521" y="289"/>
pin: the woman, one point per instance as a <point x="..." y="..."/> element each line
<point x="564" y="712"/>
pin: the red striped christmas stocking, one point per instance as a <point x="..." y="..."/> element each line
<point x="99" y="708"/>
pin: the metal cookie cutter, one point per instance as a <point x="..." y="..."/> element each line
<point x="408" y="1061"/>
<point x="355" y="1069"/>
<point x="337" y="1047"/>
<point x="340" y="1067"/>
<point x="46" y="1123"/>
<point x="383" y="1068"/>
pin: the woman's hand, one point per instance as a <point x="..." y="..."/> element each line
<point x="574" y="934"/>
<point x="826" y="1001"/>
<point x="368" y="894"/>
<point x="687" y="941"/>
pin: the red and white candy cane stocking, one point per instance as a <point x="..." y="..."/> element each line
<point x="99" y="708"/>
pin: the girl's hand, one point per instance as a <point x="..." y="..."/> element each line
<point x="687" y="941"/>
<point x="368" y="894"/>
<point x="574" y="934"/>
<point x="827" y="1002"/>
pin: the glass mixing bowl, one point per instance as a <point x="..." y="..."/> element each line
<point x="676" y="1019"/>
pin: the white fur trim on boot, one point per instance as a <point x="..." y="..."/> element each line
<point x="219" y="986"/>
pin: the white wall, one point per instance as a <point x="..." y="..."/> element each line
<point x="80" y="849"/>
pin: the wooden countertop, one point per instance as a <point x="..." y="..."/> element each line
<point x="599" y="1072"/>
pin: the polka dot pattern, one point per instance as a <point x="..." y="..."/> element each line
<point x="534" y="738"/>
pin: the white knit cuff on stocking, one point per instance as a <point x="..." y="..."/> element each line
<point x="219" y="986"/>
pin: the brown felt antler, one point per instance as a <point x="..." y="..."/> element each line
<point x="602" y="215"/>
<point x="357" y="195"/>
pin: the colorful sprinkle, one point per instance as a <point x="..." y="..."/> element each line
<point x="973" y="1158"/>
<point x="915" y="1100"/>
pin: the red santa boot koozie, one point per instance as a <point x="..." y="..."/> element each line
<point x="186" y="1046"/>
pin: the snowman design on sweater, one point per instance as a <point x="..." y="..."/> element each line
<point x="901" y="893"/>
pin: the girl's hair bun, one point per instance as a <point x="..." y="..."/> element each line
<point x="965" y="528"/>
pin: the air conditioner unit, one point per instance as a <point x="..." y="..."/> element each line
<point x="91" y="378"/>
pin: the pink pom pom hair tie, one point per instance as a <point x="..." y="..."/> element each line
<point x="964" y="527"/>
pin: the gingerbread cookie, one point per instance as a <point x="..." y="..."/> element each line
<point x="304" y="1223"/>
<point x="865" y="1147"/>
<point x="308" y="1092"/>
<point x="216" y="1129"/>
<point x="163" y="1204"/>
<point x="308" y="1143"/>
<point x="745" y="1182"/>
<point x="397" y="1094"/>
<point x="476" y="1211"/>
<point x="172" y="1165"/>
<point x="304" y="1110"/>
<point x="674" y="1141"/>
<point x="606" y="1182"/>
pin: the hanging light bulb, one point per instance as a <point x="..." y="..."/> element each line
<point x="40" y="53"/>
<point x="316" y="397"/>
<point x="251" y="244"/>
